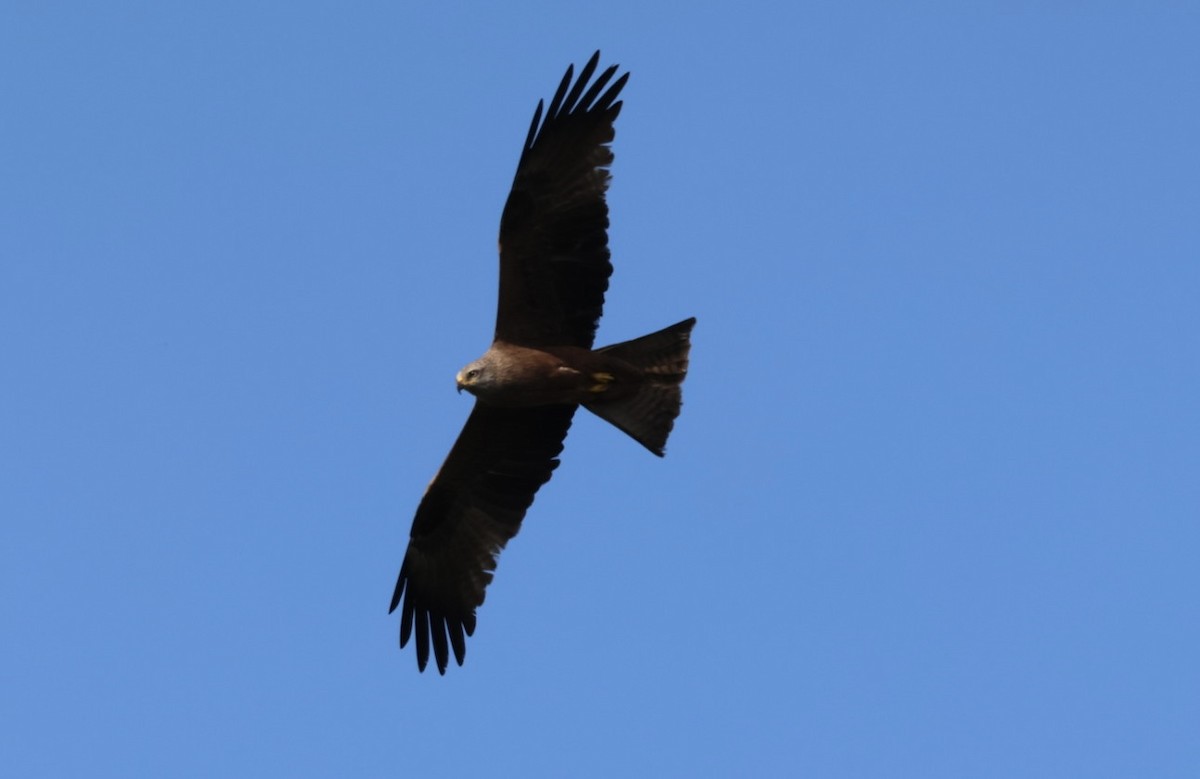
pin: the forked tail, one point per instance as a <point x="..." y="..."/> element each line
<point x="648" y="413"/>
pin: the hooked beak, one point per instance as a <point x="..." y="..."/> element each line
<point x="458" y="382"/>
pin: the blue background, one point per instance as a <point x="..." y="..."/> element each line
<point x="933" y="505"/>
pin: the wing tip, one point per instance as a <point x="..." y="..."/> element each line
<point x="572" y="99"/>
<point x="433" y="629"/>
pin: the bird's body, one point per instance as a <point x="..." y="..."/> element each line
<point x="554" y="270"/>
<point x="513" y="376"/>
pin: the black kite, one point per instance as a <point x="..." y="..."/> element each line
<point x="554" y="269"/>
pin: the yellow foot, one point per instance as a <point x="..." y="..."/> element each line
<point x="602" y="381"/>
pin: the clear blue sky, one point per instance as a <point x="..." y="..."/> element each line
<point x="933" y="505"/>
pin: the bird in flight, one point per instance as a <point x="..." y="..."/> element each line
<point x="554" y="269"/>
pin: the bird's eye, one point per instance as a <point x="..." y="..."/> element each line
<point x="472" y="373"/>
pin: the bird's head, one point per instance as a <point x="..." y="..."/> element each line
<point x="473" y="377"/>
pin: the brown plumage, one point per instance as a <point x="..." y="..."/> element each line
<point x="554" y="269"/>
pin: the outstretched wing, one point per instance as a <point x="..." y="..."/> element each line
<point x="471" y="509"/>
<point x="554" y="260"/>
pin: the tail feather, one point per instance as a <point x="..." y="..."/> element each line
<point x="648" y="413"/>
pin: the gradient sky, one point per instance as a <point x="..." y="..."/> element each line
<point x="933" y="505"/>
